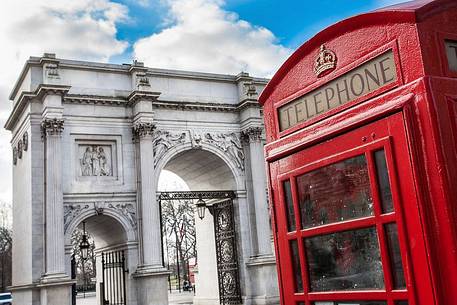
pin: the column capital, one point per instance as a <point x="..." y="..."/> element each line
<point x="52" y="126"/>
<point x="252" y="134"/>
<point x="143" y="129"/>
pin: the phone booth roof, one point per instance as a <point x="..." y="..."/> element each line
<point x="354" y="41"/>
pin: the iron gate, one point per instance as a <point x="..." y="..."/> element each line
<point x="113" y="283"/>
<point x="226" y="252"/>
<point x="73" y="277"/>
<point x="226" y="246"/>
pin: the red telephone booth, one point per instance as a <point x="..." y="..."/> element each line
<point x="361" y="126"/>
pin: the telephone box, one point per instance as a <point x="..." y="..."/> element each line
<point x="361" y="125"/>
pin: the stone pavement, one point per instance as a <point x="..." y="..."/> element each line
<point x="174" y="298"/>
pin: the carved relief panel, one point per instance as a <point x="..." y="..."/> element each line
<point x="95" y="160"/>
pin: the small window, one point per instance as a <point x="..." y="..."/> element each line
<point x="291" y="226"/>
<point x="347" y="260"/>
<point x="383" y="182"/>
<point x="296" y="265"/>
<point x="335" y="192"/>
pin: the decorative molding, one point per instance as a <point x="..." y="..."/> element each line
<point x="127" y="210"/>
<point x="164" y="140"/>
<point x="142" y="81"/>
<point x="25" y="140"/>
<point x="142" y="129"/>
<point x="71" y="211"/>
<point x="14" y="155"/>
<point x="51" y="127"/>
<point x="20" y="147"/>
<point x="138" y="95"/>
<point x="52" y="70"/>
<point x="250" y="90"/>
<point x="94" y="100"/>
<point x="252" y="134"/>
<point x="230" y="144"/>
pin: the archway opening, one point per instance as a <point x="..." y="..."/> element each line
<point x="190" y="247"/>
<point x="101" y="274"/>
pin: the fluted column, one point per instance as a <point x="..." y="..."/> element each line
<point x="150" y="212"/>
<point x="55" y="251"/>
<point x="253" y="136"/>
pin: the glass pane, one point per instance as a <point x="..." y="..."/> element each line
<point x="401" y="302"/>
<point x="301" y="303"/>
<point x="383" y="181"/>
<point x="296" y="265"/>
<point x="395" y="257"/>
<point x="335" y="192"/>
<point x="289" y="207"/>
<point x="350" y="303"/>
<point x="348" y="260"/>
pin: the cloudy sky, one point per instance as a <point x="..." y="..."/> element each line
<point x="204" y="35"/>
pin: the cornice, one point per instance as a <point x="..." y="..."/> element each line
<point x="137" y="95"/>
<point x="26" y="96"/>
<point x="94" y="99"/>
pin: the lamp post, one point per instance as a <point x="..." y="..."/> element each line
<point x="201" y="207"/>
<point x="84" y="247"/>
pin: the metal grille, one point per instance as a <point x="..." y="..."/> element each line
<point x="226" y="251"/>
<point x="113" y="285"/>
<point x="73" y="277"/>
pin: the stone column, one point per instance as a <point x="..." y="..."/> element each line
<point x="150" y="213"/>
<point x="55" y="250"/>
<point x="253" y="136"/>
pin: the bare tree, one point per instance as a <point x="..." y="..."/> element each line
<point x="179" y="229"/>
<point x="6" y="245"/>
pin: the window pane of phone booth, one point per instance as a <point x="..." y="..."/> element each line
<point x="346" y="260"/>
<point x="335" y="192"/>
<point x="291" y="226"/>
<point x="396" y="264"/>
<point x="296" y="265"/>
<point x="350" y="303"/>
<point x="401" y="302"/>
<point x="383" y="181"/>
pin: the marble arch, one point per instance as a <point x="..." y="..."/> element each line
<point x="90" y="136"/>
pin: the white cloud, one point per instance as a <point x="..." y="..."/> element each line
<point x="204" y="37"/>
<point x="83" y="29"/>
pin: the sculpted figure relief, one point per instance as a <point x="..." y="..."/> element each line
<point x="94" y="162"/>
<point x="164" y="140"/>
<point x="229" y="143"/>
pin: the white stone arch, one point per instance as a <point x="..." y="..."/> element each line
<point x="129" y="229"/>
<point x="237" y="173"/>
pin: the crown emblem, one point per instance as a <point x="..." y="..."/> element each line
<point x="325" y="61"/>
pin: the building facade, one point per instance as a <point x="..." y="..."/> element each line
<point x="89" y="142"/>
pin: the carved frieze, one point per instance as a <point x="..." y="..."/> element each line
<point x="164" y="140"/>
<point x="124" y="210"/>
<point x="95" y="160"/>
<point x="71" y="211"/>
<point x="51" y="127"/>
<point x="127" y="210"/>
<point x="250" y="90"/>
<point x="143" y="129"/>
<point x="142" y="81"/>
<point x="230" y="144"/>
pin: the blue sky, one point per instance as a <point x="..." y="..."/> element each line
<point x="291" y="21"/>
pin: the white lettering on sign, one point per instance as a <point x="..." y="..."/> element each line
<point x="451" y="52"/>
<point x="358" y="82"/>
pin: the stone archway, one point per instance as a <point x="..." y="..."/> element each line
<point x="114" y="233"/>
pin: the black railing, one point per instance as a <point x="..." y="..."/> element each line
<point x="113" y="271"/>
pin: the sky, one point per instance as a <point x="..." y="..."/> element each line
<point x="202" y="35"/>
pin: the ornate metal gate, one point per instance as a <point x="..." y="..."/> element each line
<point x="73" y="277"/>
<point x="113" y="285"/>
<point x="226" y="244"/>
<point x="226" y="252"/>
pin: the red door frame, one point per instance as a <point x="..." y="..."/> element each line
<point x="389" y="133"/>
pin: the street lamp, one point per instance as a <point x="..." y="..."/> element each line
<point x="84" y="245"/>
<point x="201" y="206"/>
